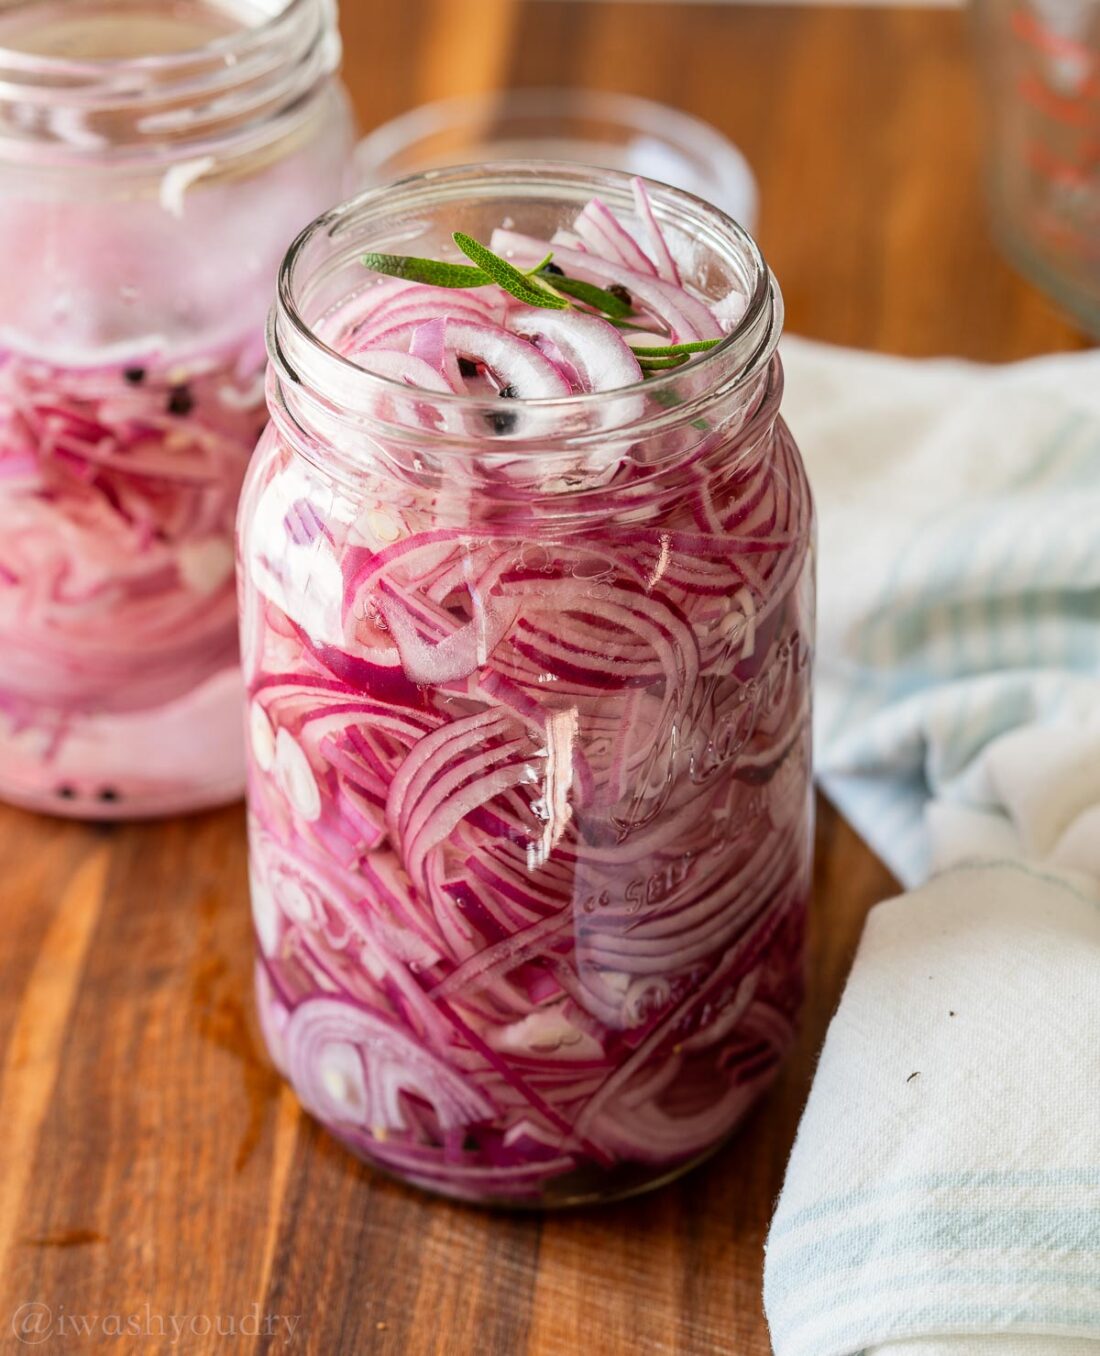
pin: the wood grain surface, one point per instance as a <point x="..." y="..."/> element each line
<point x="152" y="1167"/>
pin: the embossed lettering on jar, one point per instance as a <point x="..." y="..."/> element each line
<point x="154" y="161"/>
<point x="529" y="702"/>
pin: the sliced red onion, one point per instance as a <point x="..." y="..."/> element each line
<point x="514" y="362"/>
<point x="296" y="777"/>
<point x="593" y="348"/>
<point x="429" y="343"/>
<point x="118" y="491"/>
<point x="456" y="655"/>
<point x="406" y="367"/>
<point x="659" y="251"/>
<point x="352" y="1067"/>
<point x="601" y="232"/>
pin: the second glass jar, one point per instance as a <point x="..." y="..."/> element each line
<point x="154" y="162"/>
<point x="529" y="703"/>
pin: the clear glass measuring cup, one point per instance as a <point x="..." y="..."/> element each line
<point x="1042" y="66"/>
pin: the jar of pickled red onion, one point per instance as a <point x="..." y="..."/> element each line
<point x="154" y="162"/>
<point x="527" y="624"/>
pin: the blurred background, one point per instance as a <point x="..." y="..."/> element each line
<point x="863" y="125"/>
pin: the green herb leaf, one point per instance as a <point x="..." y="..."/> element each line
<point x="612" y="306"/>
<point x="530" y="272"/>
<point x="432" y="271"/>
<point x="657" y="364"/>
<point x="626" y="325"/>
<point x="674" y="350"/>
<point x="506" y="275"/>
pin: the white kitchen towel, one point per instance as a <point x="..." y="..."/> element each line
<point x="959" y="571"/>
<point x="943" y="1195"/>
<point x="945" y="1183"/>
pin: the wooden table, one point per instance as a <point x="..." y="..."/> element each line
<point x="151" y="1164"/>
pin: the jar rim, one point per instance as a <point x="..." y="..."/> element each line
<point x="216" y="90"/>
<point x="301" y="357"/>
<point x="231" y="42"/>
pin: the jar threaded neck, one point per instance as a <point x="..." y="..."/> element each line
<point x="224" y="76"/>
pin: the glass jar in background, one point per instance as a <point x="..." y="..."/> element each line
<point x="1042" y="65"/>
<point x="575" y="126"/>
<point x="154" y="161"/>
<point x="529" y="701"/>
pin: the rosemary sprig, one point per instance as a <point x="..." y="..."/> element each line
<point x="658" y="364"/>
<point x="675" y="350"/>
<point x="435" y="272"/>
<point x="507" y="276"/>
<point x="488" y="270"/>
<point x="536" y="286"/>
<point x="612" y="306"/>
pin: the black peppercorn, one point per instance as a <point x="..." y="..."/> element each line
<point x="66" y="792"/>
<point x="181" y="401"/>
<point x="108" y="794"/>
<point x="554" y="269"/>
<point x="467" y="367"/>
<point x="134" y="375"/>
<point x="504" y="422"/>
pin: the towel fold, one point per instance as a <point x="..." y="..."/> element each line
<point x="943" y="1194"/>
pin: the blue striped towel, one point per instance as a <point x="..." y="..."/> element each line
<point x="959" y="573"/>
<point x="943" y="1195"/>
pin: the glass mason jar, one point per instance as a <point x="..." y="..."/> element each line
<point x="529" y="711"/>
<point x="154" y="161"/>
<point x="570" y="124"/>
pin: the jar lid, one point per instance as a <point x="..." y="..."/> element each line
<point x="585" y="127"/>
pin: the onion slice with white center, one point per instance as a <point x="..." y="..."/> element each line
<point x="514" y="362"/>
<point x="351" y="1065"/>
<point x="595" y="349"/>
